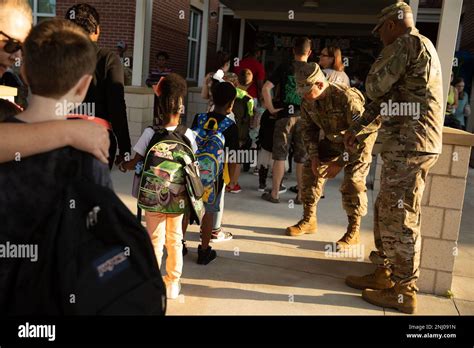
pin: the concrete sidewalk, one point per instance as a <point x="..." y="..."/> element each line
<point x="263" y="271"/>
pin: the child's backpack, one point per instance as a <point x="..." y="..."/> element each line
<point x="163" y="180"/>
<point x="93" y="257"/>
<point x="211" y="153"/>
<point x="243" y="110"/>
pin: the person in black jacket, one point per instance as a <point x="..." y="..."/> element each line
<point x="105" y="97"/>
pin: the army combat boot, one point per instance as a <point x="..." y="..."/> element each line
<point x="307" y="225"/>
<point x="379" y="280"/>
<point x="352" y="235"/>
<point x="400" y="296"/>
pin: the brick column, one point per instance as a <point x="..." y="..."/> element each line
<point x="442" y="210"/>
<point x="139" y="102"/>
<point x="195" y="104"/>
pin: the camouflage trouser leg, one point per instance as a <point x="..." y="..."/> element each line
<point x="354" y="190"/>
<point x="398" y="213"/>
<point x="312" y="188"/>
<point x="378" y="257"/>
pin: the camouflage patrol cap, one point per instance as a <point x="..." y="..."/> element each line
<point x="397" y="9"/>
<point x="306" y="75"/>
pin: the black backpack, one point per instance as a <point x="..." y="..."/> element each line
<point x="94" y="258"/>
<point x="242" y="119"/>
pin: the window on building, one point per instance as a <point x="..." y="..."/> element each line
<point x="43" y="9"/>
<point x="194" y="37"/>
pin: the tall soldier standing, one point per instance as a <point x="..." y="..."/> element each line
<point x="405" y="86"/>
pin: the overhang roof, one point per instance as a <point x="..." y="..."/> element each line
<point x="328" y="11"/>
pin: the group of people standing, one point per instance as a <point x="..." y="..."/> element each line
<point x="333" y="127"/>
<point x="407" y="70"/>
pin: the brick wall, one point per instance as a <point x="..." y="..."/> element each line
<point x="117" y="20"/>
<point x="212" y="43"/>
<point x="467" y="36"/>
<point x="170" y="33"/>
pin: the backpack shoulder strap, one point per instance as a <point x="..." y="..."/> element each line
<point x="226" y="123"/>
<point x="160" y="133"/>
<point x="181" y="131"/>
<point x="202" y="118"/>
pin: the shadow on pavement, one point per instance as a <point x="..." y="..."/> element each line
<point x="311" y="245"/>
<point x="339" y="300"/>
<point x="243" y="268"/>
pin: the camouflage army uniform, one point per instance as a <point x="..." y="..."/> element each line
<point x="407" y="71"/>
<point x="333" y="115"/>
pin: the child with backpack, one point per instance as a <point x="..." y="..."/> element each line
<point x="243" y="113"/>
<point x="164" y="152"/>
<point x="217" y="134"/>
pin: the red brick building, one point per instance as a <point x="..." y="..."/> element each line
<point x="467" y="29"/>
<point x="167" y="29"/>
<point x="171" y="29"/>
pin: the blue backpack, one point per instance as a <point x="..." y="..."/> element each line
<point x="211" y="153"/>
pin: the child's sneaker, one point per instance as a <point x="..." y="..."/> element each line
<point x="235" y="189"/>
<point x="172" y="290"/>
<point x="205" y="256"/>
<point x="262" y="187"/>
<point x="221" y="236"/>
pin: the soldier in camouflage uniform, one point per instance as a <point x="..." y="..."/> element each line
<point x="330" y="108"/>
<point x="405" y="86"/>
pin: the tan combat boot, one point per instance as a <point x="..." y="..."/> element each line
<point x="307" y="225"/>
<point x="379" y="280"/>
<point x="352" y="235"/>
<point x="401" y="297"/>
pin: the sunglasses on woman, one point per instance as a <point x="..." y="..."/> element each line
<point x="11" y="45"/>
